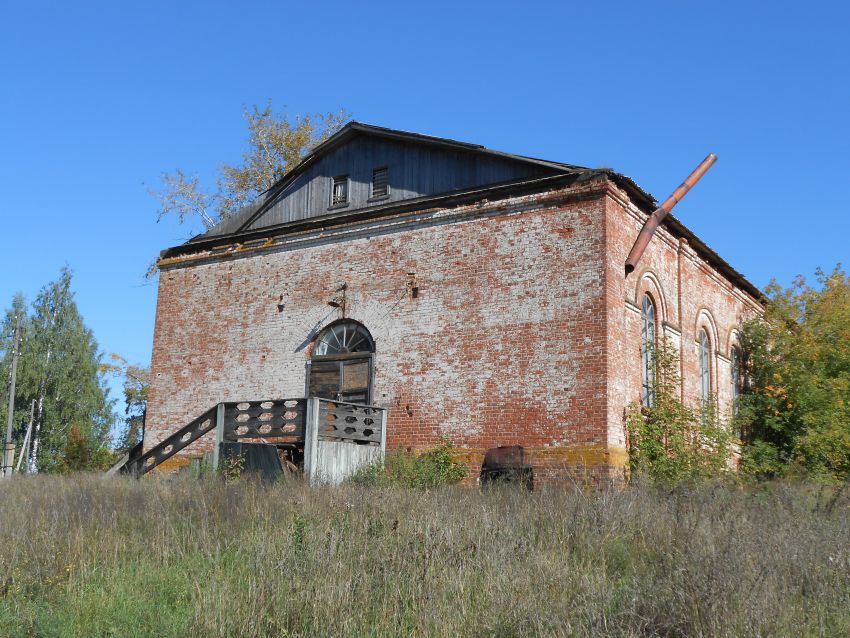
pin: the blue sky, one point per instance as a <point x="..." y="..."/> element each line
<point x="97" y="99"/>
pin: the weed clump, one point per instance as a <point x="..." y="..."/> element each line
<point x="418" y="470"/>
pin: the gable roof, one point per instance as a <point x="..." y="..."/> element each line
<point x="238" y="226"/>
<point x="242" y="219"/>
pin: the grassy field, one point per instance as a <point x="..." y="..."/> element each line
<point x="83" y="556"/>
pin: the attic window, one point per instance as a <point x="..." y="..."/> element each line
<point x="339" y="191"/>
<point x="380" y="183"/>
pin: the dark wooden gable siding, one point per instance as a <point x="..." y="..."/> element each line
<point x="415" y="170"/>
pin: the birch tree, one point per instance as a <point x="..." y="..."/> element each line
<point x="7" y="329"/>
<point x="275" y="143"/>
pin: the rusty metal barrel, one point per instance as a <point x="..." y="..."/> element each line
<point x="506" y="465"/>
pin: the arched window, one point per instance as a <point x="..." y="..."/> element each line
<point x="342" y="338"/>
<point x="647" y="351"/>
<point x="341" y="367"/>
<point x="704" y="366"/>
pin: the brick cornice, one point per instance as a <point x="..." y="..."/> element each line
<point x="291" y="236"/>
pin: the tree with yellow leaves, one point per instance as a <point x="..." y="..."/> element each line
<point x="795" y="411"/>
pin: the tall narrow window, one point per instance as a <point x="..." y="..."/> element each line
<point x="380" y="183"/>
<point x="736" y="375"/>
<point x="647" y="351"/>
<point x="704" y="366"/>
<point x="339" y="190"/>
<point x="737" y="380"/>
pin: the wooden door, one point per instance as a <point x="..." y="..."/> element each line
<point x="345" y="378"/>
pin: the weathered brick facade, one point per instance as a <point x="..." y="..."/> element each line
<point x="524" y="329"/>
<point x="689" y="293"/>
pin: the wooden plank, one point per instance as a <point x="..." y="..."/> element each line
<point x="116" y="467"/>
<point x="236" y="419"/>
<point x="256" y="433"/>
<point x="257" y="407"/>
<point x="349" y="436"/>
<point x="355" y="376"/>
<point x="384" y="418"/>
<point x="233" y="421"/>
<point x="339" y="460"/>
<point x="311" y="440"/>
<point x="325" y="379"/>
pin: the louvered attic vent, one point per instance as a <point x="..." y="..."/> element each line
<point x="380" y="183"/>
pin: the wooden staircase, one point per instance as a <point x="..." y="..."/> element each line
<point x="337" y="437"/>
<point x="273" y="418"/>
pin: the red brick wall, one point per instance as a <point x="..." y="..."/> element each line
<point x="688" y="293"/>
<point x="505" y="344"/>
<point x="525" y="330"/>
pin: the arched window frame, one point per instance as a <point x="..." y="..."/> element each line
<point x="648" y="345"/>
<point x="736" y="378"/>
<point x="345" y="336"/>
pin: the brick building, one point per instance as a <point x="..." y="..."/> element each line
<point x="481" y="296"/>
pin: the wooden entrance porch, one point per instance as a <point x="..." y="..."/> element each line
<point x="327" y="439"/>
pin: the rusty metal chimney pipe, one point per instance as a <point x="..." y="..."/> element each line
<point x="661" y="212"/>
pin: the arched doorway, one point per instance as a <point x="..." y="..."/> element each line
<point x="341" y="365"/>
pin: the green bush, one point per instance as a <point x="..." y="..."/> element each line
<point x="671" y="442"/>
<point x="81" y="454"/>
<point x="423" y="470"/>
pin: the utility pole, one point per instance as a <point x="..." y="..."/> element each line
<point x="9" y="450"/>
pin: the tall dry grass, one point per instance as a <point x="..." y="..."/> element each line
<point x="83" y="556"/>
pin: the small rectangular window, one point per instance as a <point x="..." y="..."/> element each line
<point x="380" y="183"/>
<point x="339" y="191"/>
